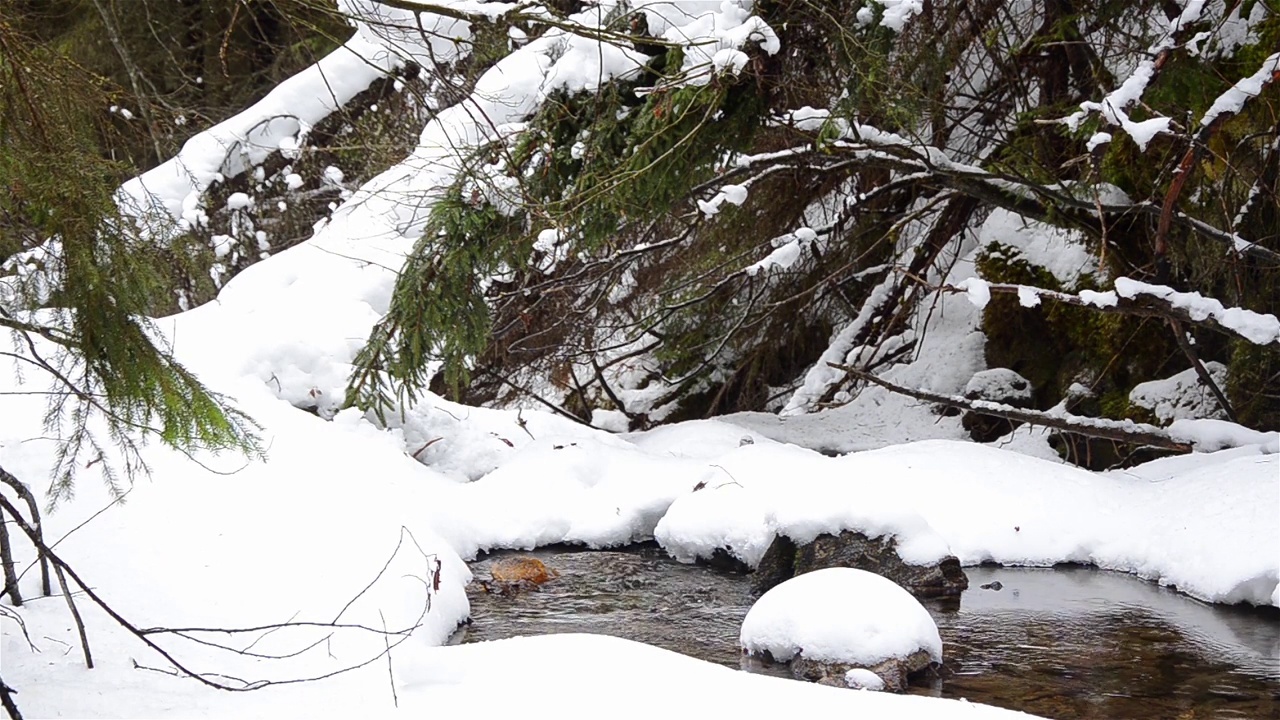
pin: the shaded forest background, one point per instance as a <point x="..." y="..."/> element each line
<point x="127" y="82"/>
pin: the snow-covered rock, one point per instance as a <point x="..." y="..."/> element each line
<point x="829" y="622"/>
<point x="1000" y="385"/>
<point x="1181" y="396"/>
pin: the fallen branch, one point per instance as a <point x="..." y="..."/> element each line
<point x="34" y="508"/>
<point x="1119" y="430"/>
<point x="6" y="701"/>
<point x="1180" y="336"/>
<point x="33" y="534"/>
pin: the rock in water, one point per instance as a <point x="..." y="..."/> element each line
<point x="785" y="559"/>
<point x="513" y="574"/>
<point x="843" y="627"/>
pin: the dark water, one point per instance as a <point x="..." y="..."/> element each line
<point x="1063" y="643"/>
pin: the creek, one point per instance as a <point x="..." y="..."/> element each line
<point x="1066" y="642"/>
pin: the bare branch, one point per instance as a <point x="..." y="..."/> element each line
<point x="1121" y="431"/>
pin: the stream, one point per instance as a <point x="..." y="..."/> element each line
<point x="1067" y="642"/>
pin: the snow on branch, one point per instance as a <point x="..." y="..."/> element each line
<point x="1114" y="108"/>
<point x="1132" y="297"/>
<point x="1232" y="101"/>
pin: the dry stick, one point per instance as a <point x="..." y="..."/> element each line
<point x="75" y="614"/>
<point x="59" y="563"/>
<point x="1106" y="429"/>
<point x="25" y="493"/>
<point x="202" y="678"/>
<point x="1180" y="336"/>
<point x="6" y="560"/>
<point x="390" y="673"/>
<point x="34" y="535"/>
<point x="1188" y="163"/>
<point x="6" y="701"/>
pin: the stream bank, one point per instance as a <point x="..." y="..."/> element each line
<point x="1067" y="642"/>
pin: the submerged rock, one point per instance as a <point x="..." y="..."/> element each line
<point x="785" y="559"/>
<point x="512" y="574"/>
<point x="891" y="674"/>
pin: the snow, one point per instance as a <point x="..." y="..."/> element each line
<point x="999" y="384"/>
<point x="840" y="615"/>
<point x="1028" y="297"/>
<point x="1099" y="299"/>
<point x="977" y="290"/>
<point x="1209" y="434"/>
<point x="983" y="504"/>
<point x="239" y="201"/>
<point x="172" y="191"/>
<point x="863" y="679"/>
<point x="1060" y="251"/>
<point x="898" y="12"/>
<point x="224" y="542"/>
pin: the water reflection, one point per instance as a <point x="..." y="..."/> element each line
<point x="1065" y="643"/>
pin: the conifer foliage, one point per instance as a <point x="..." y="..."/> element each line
<point x="690" y="241"/>
<point x="80" y="279"/>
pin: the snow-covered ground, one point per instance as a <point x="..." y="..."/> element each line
<point x="298" y="536"/>
<point x="349" y="523"/>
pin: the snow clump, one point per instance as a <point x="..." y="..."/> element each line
<point x="840" y="615"/>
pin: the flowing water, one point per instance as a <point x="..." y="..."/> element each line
<point x="1063" y="642"/>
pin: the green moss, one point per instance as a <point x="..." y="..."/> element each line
<point x="1054" y="344"/>
<point x="1253" y="376"/>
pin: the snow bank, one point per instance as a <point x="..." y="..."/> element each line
<point x="1206" y="527"/>
<point x="840" y="615"/>
<point x="554" y="676"/>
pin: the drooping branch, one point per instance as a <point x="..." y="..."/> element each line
<point x="1230" y="103"/>
<point x="1125" y="431"/>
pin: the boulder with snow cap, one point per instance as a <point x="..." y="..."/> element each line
<point x="997" y="385"/>
<point x="843" y="627"/>
<point x="786" y="559"/>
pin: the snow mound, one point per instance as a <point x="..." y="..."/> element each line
<point x="840" y="615"/>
